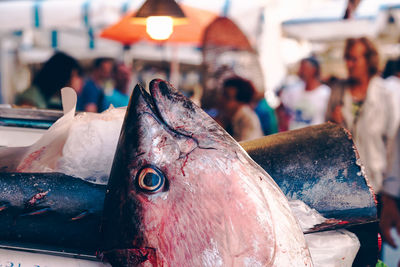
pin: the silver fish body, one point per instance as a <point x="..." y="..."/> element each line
<point x="182" y="192"/>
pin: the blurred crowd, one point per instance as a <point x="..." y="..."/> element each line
<point x="62" y="70"/>
<point x="366" y="102"/>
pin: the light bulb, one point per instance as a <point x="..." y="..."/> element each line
<point x="159" y="27"/>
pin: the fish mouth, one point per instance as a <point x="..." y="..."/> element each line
<point x="131" y="256"/>
<point x="161" y="93"/>
<point x="150" y="101"/>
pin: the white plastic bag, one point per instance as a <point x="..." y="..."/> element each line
<point x="336" y="248"/>
<point x="82" y="146"/>
<point x="333" y="248"/>
<point x="42" y="155"/>
<point x="89" y="150"/>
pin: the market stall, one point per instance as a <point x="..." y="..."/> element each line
<point x="48" y="211"/>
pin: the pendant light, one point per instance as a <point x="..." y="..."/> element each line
<point x="160" y="16"/>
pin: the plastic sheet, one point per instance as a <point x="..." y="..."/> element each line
<point x="82" y="146"/>
<point x="328" y="249"/>
<point x="333" y="248"/>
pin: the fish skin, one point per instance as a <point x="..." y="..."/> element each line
<point x="43" y="209"/>
<point x="217" y="206"/>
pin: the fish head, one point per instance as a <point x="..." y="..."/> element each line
<point x="182" y="190"/>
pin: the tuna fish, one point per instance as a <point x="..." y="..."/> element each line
<point x="182" y="192"/>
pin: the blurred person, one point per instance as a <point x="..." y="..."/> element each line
<point x="306" y="103"/>
<point x="237" y="116"/>
<point x="392" y="83"/>
<point x="332" y="81"/>
<point x="390" y="68"/>
<point x="390" y="195"/>
<point x="266" y="115"/>
<point x="59" y="71"/>
<point x="361" y="105"/>
<point x="119" y="96"/>
<point x="281" y="114"/>
<point x="91" y="98"/>
<point x="390" y="200"/>
<point x="196" y="94"/>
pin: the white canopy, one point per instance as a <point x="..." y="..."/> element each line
<point x="324" y="21"/>
<point x="59" y="14"/>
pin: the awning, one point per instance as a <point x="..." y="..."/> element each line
<point x="59" y="14"/>
<point x="324" y="21"/>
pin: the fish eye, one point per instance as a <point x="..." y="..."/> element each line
<point x="150" y="180"/>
